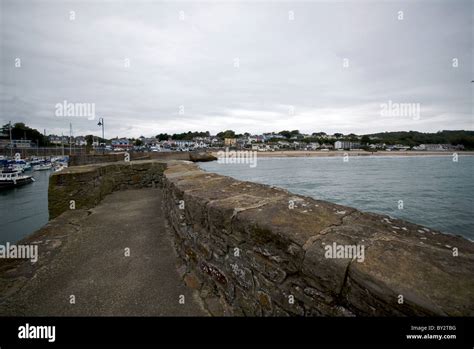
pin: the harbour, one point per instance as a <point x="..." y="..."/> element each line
<point x="24" y="194"/>
<point x="83" y="244"/>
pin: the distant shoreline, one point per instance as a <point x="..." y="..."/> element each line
<point x="305" y="153"/>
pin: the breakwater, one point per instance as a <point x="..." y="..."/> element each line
<point x="86" y="159"/>
<point x="85" y="186"/>
<point x="255" y="250"/>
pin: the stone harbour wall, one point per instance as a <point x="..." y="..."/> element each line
<point x="253" y="250"/>
<point x="86" y="159"/>
<point x="87" y="185"/>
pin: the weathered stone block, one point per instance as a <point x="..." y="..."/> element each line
<point x="241" y="274"/>
<point x="192" y="281"/>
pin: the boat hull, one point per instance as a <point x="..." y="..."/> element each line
<point x="42" y="168"/>
<point x="15" y="183"/>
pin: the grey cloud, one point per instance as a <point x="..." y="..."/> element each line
<point x="191" y="63"/>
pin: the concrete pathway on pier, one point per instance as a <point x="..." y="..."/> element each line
<point x="83" y="269"/>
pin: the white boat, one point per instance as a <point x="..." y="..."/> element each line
<point x="59" y="166"/>
<point x="17" y="167"/>
<point x="21" y="165"/>
<point x="14" y="179"/>
<point x="42" y="167"/>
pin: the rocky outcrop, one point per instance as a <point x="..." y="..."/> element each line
<point x="255" y="250"/>
<point x="201" y="156"/>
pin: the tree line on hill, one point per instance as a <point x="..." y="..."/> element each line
<point x="414" y="138"/>
<point x="20" y="131"/>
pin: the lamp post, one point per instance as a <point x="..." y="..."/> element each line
<point x="101" y="123"/>
<point x="11" y="141"/>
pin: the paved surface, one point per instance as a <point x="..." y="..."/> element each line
<point x="82" y="254"/>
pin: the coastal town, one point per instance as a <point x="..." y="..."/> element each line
<point x="264" y="142"/>
<point x="24" y="149"/>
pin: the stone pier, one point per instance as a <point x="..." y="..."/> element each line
<point x="230" y="248"/>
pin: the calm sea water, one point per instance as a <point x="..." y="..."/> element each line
<point x="436" y="191"/>
<point x="24" y="209"/>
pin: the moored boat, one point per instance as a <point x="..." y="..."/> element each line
<point x="12" y="179"/>
<point x="59" y="166"/>
<point x="42" y="167"/>
<point x="27" y="167"/>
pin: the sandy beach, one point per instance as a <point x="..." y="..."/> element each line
<point x="316" y="153"/>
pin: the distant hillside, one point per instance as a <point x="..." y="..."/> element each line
<point x="413" y="138"/>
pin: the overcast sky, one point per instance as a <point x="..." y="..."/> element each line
<point x="244" y="66"/>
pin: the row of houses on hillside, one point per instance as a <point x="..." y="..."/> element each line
<point x="264" y="142"/>
<point x="346" y="145"/>
<point x="438" y="147"/>
<point x="79" y="141"/>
